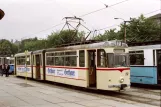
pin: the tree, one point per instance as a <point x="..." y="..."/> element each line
<point x="7" y="48"/>
<point x="108" y="35"/>
<point x="140" y="30"/>
<point x="64" y="37"/>
<point x="53" y="40"/>
<point x="27" y="44"/>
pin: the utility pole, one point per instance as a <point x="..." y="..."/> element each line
<point x="125" y="31"/>
<point x="124" y="28"/>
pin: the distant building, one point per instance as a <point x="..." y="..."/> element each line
<point x="157" y="17"/>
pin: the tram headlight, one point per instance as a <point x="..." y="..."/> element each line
<point x="121" y="80"/>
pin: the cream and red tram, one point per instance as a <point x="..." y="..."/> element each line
<point x="103" y="65"/>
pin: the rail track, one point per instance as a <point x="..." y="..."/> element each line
<point x="140" y="95"/>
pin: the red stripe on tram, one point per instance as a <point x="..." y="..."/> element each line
<point x="113" y="69"/>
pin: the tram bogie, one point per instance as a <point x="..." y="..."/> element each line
<point x="103" y="65"/>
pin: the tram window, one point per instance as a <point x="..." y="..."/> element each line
<point x="59" y="53"/>
<point x="22" y="60"/>
<point x="101" y="58"/>
<point x="28" y="62"/>
<point x="121" y="60"/>
<point x="137" y="58"/>
<point x="71" y="61"/>
<point x="50" y="61"/>
<point x="70" y="58"/>
<point x="154" y="57"/>
<point x="110" y="60"/>
<point x="50" y="54"/>
<point x="59" y="61"/>
<point x="40" y="60"/>
<point x="33" y="60"/>
<point x="81" y="58"/>
<point x="71" y="53"/>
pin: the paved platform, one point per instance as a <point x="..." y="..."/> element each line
<point x="14" y="93"/>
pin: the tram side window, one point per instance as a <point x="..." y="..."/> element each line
<point x="81" y="58"/>
<point x="136" y="58"/>
<point x="33" y="60"/>
<point x="22" y="60"/>
<point x="50" y="61"/>
<point x="28" y="61"/>
<point x="101" y="58"/>
<point x="59" y="61"/>
<point x="70" y="58"/>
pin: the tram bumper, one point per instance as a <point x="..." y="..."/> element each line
<point x="121" y="86"/>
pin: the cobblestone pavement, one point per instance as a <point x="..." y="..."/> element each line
<point x="15" y="93"/>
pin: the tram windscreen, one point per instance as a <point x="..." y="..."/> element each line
<point x="118" y="60"/>
<point x="121" y="60"/>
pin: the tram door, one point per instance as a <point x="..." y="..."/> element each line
<point x="92" y="68"/>
<point x="38" y="74"/>
<point x="159" y="65"/>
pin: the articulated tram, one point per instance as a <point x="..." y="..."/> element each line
<point x="102" y="65"/>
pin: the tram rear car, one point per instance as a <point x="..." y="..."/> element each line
<point x="23" y="65"/>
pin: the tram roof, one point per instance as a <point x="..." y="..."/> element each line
<point x="104" y="44"/>
<point x="157" y="46"/>
<point x="38" y="51"/>
<point x="22" y="54"/>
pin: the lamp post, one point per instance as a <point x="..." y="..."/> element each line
<point x="124" y="27"/>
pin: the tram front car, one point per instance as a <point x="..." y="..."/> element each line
<point x="113" y="66"/>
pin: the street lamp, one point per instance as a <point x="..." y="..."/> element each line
<point x="124" y="27"/>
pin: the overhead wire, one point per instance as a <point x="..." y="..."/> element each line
<point x="118" y="25"/>
<point x="106" y="6"/>
<point x="152" y="11"/>
<point x="107" y="27"/>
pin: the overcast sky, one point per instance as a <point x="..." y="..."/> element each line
<point x="24" y="18"/>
